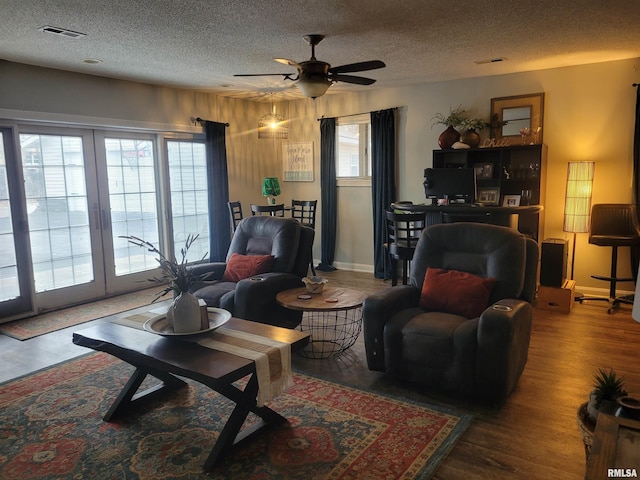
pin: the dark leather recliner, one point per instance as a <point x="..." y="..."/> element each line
<point x="481" y="357"/>
<point x="254" y="298"/>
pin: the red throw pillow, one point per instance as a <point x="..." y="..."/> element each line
<point x="245" y="266"/>
<point x="451" y="291"/>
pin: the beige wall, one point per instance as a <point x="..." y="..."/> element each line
<point x="589" y="115"/>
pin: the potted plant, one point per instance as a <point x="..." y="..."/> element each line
<point x="455" y="117"/>
<point x="450" y="135"/>
<point x="184" y="313"/>
<point x="608" y="387"/>
<point x="468" y="131"/>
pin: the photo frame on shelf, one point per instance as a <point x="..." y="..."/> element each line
<point x="511" y="201"/>
<point x="511" y="114"/>
<point x="488" y="196"/>
<point x="483" y="170"/>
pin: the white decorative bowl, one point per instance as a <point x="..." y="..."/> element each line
<point x="314" y="284"/>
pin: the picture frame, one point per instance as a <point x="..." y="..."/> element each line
<point x="518" y="111"/>
<point x="488" y="196"/>
<point x="297" y="162"/>
<point x="511" y="201"/>
<point x="483" y="170"/>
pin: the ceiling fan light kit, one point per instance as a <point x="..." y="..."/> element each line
<point x="313" y="88"/>
<point x="315" y="76"/>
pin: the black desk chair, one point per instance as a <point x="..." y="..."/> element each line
<point x="273" y="210"/>
<point x="403" y="232"/>
<point x="235" y="214"/>
<point x="614" y="225"/>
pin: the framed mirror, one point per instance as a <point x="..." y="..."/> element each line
<point x="511" y="114"/>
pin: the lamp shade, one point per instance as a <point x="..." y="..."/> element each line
<point x="270" y="187"/>
<point x="577" y="203"/>
<point x="273" y="125"/>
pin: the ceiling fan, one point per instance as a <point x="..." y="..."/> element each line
<point x="315" y="76"/>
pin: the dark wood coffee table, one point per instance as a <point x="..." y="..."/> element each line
<point x="169" y="358"/>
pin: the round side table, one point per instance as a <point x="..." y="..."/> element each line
<point x="333" y="317"/>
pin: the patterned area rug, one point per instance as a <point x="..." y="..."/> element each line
<point x="52" y="321"/>
<point x="52" y="427"/>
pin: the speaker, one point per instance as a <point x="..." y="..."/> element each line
<point x="553" y="262"/>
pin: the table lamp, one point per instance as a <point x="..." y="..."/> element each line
<point x="271" y="189"/>
<point x="577" y="204"/>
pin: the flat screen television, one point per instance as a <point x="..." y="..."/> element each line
<point x="456" y="184"/>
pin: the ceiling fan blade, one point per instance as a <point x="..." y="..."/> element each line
<point x="287" y="76"/>
<point x="286" y="61"/>
<point x="352" y="79"/>
<point x="358" y="67"/>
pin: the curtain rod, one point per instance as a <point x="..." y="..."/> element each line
<point x="357" y="114"/>
<point x="201" y="121"/>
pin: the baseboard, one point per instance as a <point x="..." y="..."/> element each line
<point x="354" y="267"/>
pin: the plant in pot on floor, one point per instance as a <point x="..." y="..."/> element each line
<point x="184" y="313"/>
<point x="608" y="387"/>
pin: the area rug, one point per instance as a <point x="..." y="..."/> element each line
<point x="52" y="427"/>
<point x="68" y="317"/>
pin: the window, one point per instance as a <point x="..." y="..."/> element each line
<point x="189" y="196"/>
<point x="353" y="147"/>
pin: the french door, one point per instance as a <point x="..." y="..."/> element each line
<point x="69" y="196"/>
<point x="83" y="190"/>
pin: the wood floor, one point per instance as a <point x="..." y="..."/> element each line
<point x="532" y="436"/>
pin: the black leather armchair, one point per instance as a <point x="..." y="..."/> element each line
<point x="481" y="357"/>
<point x="254" y="298"/>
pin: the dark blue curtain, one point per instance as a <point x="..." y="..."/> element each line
<point x="328" y="194"/>
<point x="635" y="257"/>
<point x="636" y="149"/>
<point x="218" y="185"/>
<point x="383" y="182"/>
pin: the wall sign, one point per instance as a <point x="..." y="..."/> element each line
<point x="298" y="162"/>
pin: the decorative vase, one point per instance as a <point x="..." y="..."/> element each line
<point x="471" y="138"/>
<point x="184" y="314"/>
<point x="448" y="138"/>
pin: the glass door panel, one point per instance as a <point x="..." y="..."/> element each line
<point x="64" y="250"/>
<point x="133" y="209"/>
<point x="15" y="278"/>
<point x="189" y="198"/>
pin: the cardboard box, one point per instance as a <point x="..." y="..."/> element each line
<point x="558" y="299"/>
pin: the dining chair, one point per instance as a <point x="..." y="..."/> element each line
<point x="304" y="211"/>
<point x="235" y="214"/>
<point x="273" y="210"/>
<point x="403" y="232"/>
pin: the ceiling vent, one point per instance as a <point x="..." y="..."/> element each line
<point x="61" y="31"/>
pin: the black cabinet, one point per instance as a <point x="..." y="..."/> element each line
<point x="504" y="176"/>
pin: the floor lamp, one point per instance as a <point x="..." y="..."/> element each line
<point x="577" y="203"/>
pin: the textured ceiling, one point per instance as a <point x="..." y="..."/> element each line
<point x="200" y="44"/>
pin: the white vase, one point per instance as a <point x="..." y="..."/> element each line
<point x="184" y="314"/>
